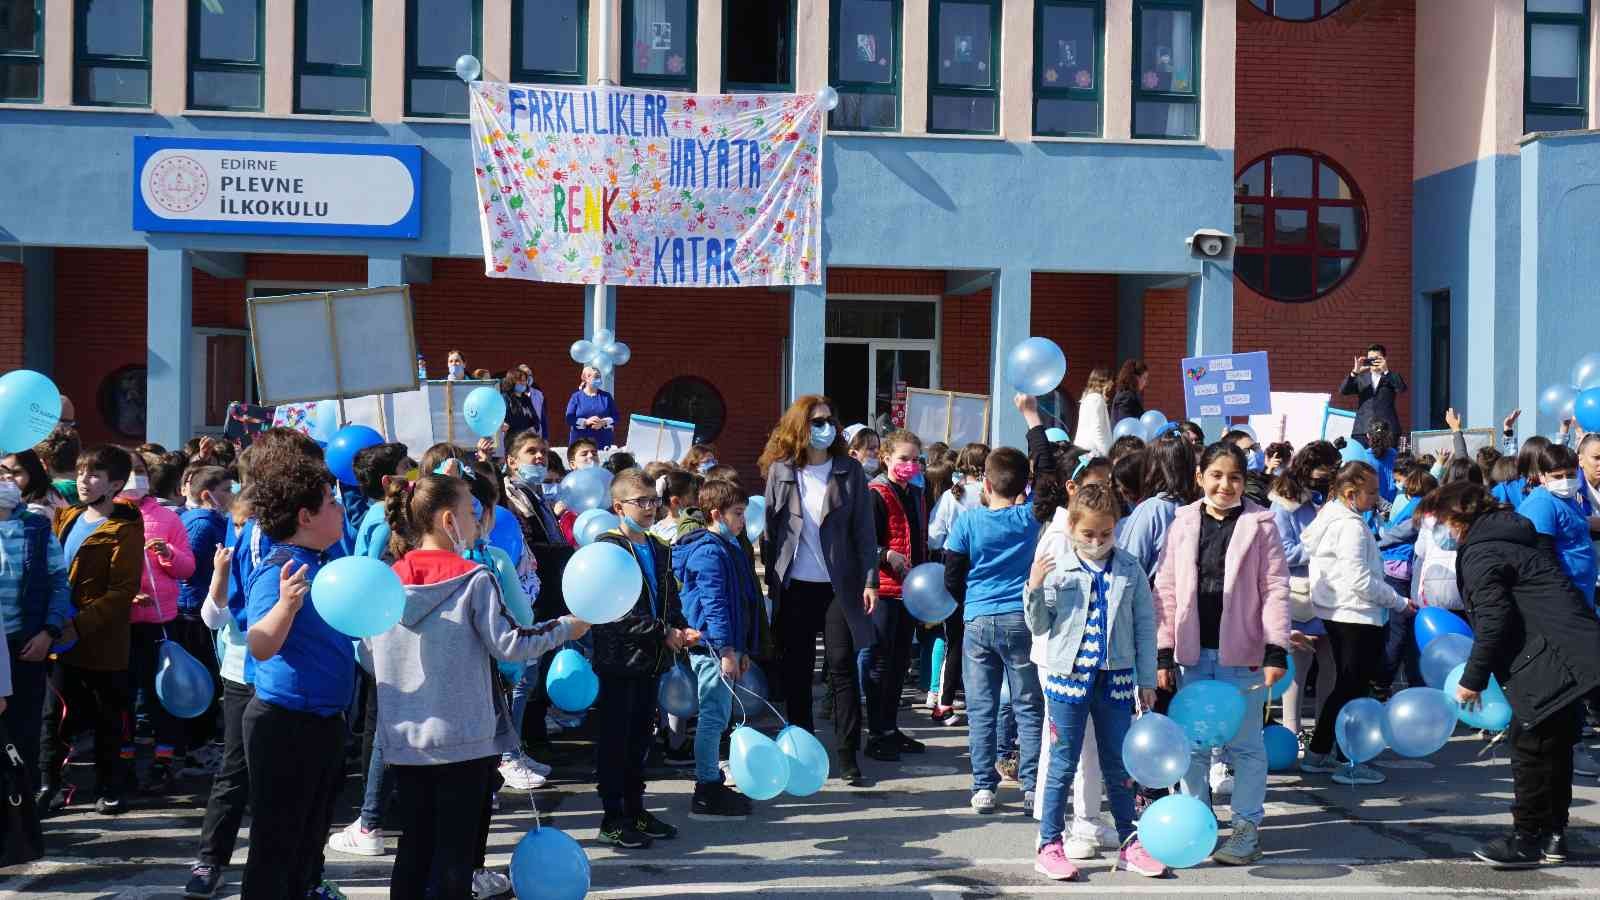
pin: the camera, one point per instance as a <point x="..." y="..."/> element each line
<point x="1210" y="244"/>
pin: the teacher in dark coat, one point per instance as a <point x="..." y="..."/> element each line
<point x="821" y="550"/>
<point x="1377" y="388"/>
<point x="1535" y="633"/>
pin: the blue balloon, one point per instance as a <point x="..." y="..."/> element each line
<point x="759" y="768"/>
<point x="1442" y="654"/>
<point x="1418" y="721"/>
<point x="1283" y="748"/>
<point x="1433" y="622"/>
<point x="1587" y="409"/>
<point x="1056" y="436"/>
<point x="358" y="596"/>
<point x="485" y="411"/>
<point x="924" y="594"/>
<point x="1156" y="751"/>
<point x="324" y="421"/>
<point x="755" y="517"/>
<point x="511" y="592"/>
<point x="1152" y="422"/>
<point x="808" y="761"/>
<point x="550" y="865"/>
<point x="183" y="685"/>
<point x="1359" y="729"/>
<point x="1210" y="712"/>
<point x="1128" y="427"/>
<point x="1281" y="686"/>
<point x="30" y="407"/>
<point x="678" y="692"/>
<point x="752" y="684"/>
<point x="593" y="523"/>
<point x="342" y="450"/>
<point x="1178" y="830"/>
<point x="585" y="489"/>
<point x="1557" y="400"/>
<point x="601" y="583"/>
<point x="1354" y="452"/>
<point x="1493" y="712"/>
<point x="571" y="683"/>
<point x="1035" y="366"/>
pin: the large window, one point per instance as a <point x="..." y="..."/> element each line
<point x="658" y="43"/>
<point x="1555" y="97"/>
<point x="1166" y="69"/>
<point x="438" y="32"/>
<point x="549" y="41"/>
<point x="864" y="64"/>
<point x="112" y="53"/>
<point x="226" y="50"/>
<point x="21" y="50"/>
<point x="1299" y="225"/>
<point x="1298" y="10"/>
<point x="963" y="66"/>
<point x="1067" y="66"/>
<point x="333" y="56"/>
<point x="758" y="45"/>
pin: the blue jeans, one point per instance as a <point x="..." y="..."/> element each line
<point x="1246" y="752"/>
<point x="1005" y="739"/>
<point x="372" y="798"/>
<point x="995" y="650"/>
<point x="1111" y="720"/>
<point x="1400" y="648"/>
<point x="716" y="707"/>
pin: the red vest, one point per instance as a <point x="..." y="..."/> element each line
<point x="899" y="537"/>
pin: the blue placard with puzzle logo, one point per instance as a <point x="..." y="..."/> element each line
<point x="1230" y="384"/>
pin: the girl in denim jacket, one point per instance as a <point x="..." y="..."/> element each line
<point x="1097" y="618"/>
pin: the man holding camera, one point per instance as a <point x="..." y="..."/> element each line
<point x="1377" y="387"/>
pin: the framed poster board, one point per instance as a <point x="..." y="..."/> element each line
<point x="1301" y="416"/>
<point x="1338" y="423"/>
<point x="333" y="344"/>
<point x="948" y="416"/>
<point x="652" y="439"/>
<point x="1433" y="441"/>
<point x="1227" y="384"/>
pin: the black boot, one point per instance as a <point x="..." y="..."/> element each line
<point x="883" y="748"/>
<point x="849" y="768"/>
<point x="1515" y="851"/>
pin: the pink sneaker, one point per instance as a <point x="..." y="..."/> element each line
<point x="1138" y="860"/>
<point x="1052" y="862"/>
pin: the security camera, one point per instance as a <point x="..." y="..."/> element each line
<point x="1210" y="244"/>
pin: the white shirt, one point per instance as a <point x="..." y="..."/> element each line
<point x="1376" y="377"/>
<point x="809" y="564"/>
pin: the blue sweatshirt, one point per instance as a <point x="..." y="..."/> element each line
<point x="1565" y="523"/>
<point x="207" y="529"/>
<point x="1144" y="532"/>
<point x="314" y="671"/>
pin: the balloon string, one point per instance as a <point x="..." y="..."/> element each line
<point x="744" y="716"/>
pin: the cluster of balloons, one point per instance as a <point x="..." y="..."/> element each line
<point x="593" y="523"/>
<point x="1147" y="427"/>
<point x="925" y="596"/>
<point x="358" y="596"/>
<point x="571" y="683"/>
<point x="182" y="683"/>
<point x="1035" y="366"/>
<point x="550" y="865"/>
<point x="585" y="489"/>
<point x="1580" y="398"/>
<point x="30" y="407"/>
<point x="605" y="352"/>
<point x="1446" y="642"/>
<point x="601" y="583"/>
<point x="763" y="768"/>
<point x="345" y="443"/>
<point x="485" y="411"/>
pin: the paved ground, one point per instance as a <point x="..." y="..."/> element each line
<point x="910" y="833"/>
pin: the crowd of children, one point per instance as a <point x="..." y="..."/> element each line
<point x="1092" y="582"/>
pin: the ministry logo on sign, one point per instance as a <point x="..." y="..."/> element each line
<point x="178" y="183"/>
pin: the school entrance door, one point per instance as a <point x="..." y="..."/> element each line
<point x="876" y="345"/>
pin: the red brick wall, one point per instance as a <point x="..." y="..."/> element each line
<point x="100" y="327"/>
<point x="964" y="342"/>
<point x="1166" y="342"/>
<point x="1343" y="87"/>
<point x="11" y="311"/>
<point x="1078" y="312"/>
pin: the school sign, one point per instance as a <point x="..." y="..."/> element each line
<point x="618" y="186"/>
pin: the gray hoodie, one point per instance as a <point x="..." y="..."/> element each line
<point x="438" y="701"/>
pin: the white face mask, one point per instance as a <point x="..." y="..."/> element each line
<point x="1219" y="506"/>
<point x="1095" y="550"/>
<point x="10" y="495"/>
<point x="137" y="488"/>
<point x="870" y="465"/>
<point x="1565" y="488"/>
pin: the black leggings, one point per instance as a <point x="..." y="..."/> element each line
<point x="1358" y="651"/>
<point x="447" y="827"/>
<point x="806" y="608"/>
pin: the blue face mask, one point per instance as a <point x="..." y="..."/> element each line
<point x="918" y="482"/>
<point x="1444" y="538"/>
<point x="822" y="436"/>
<point x="707" y="466"/>
<point x="722" y="528"/>
<point x="522" y="389"/>
<point x="531" y="474"/>
<point x="1256" y="461"/>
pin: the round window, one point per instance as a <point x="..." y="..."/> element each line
<point x="691" y="399"/>
<point x="1299" y="225"/>
<point x="1298" y="10"/>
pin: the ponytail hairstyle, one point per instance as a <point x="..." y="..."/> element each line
<point x="969" y="464"/>
<point x="1128" y="375"/>
<point x="680" y="484"/>
<point x="1050" y="491"/>
<point x="1350" y="478"/>
<point x="409" y="507"/>
<point x="1099" y="499"/>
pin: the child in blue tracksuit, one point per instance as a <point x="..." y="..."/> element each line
<point x="1559" y="510"/>
<point x="722" y="602"/>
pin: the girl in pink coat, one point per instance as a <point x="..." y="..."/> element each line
<point x="1222" y="614"/>
<point x="167" y="560"/>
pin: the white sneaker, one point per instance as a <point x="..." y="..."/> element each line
<point x="983" y="801"/>
<point x="1079" y="847"/>
<point x="533" y="764"/>
<point x="357" y="841"/>
<point x="933" y="700"/>
<point x="487" y="883"/>
<point x="1583" y="763"/>
<point x="1221" y="779"/>
<point x="520" y="777"/>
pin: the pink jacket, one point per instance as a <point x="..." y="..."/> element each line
<point x="158" y="585"/>
<point x="1255" y="590"/>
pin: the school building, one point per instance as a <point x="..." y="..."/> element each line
<point x="1416" y="173"/>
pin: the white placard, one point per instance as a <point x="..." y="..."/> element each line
<point x="953" y="418"/>
<point x="1300" y="414"/>
<point x="333" y="344"/>
<point x="1338" y="423"/>
<point x="651" y="439"/>
<point x="432" y="414"/>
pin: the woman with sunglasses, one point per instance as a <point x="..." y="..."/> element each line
<point x="821" y="549"/>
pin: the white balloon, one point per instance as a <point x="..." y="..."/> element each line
<point x="619" y="353"/>
<point x="468" y="68"/>
<point x="603" y="337"/>
<point x="828" y="98"/>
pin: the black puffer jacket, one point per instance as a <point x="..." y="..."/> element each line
<point x="1534" y="631"/>
<point x="636" y="644"/>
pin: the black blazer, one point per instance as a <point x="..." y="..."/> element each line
<point x="1377" y="403"/>
<point x="1126" y="405"/>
